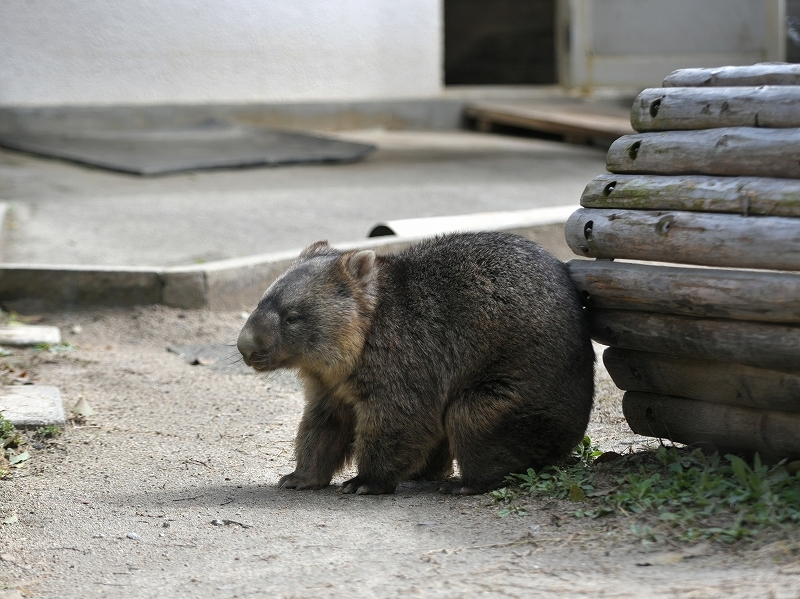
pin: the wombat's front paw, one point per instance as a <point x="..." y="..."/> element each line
<point x="362" y="487"/>
<point x="299" y="481"/>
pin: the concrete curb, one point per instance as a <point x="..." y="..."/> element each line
<point x="233" y="284"/>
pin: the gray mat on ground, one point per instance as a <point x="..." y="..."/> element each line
<point x="160" y="151"/>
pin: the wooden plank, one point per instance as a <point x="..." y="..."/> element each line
<point x="580" y="121"/>
<point x="757" y="74"/>
<point x="729" y="151"/>
<point x="705" y="380"/>
<point x="741" y="195"/>
<point x="671" y="108"/>
<point x="774" y="435"/>
<point x="686" y="237"/>
<point x="703" y="292"/>
<point x="762" y="345"/>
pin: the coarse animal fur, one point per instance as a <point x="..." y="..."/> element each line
<point x="469" y="346"/>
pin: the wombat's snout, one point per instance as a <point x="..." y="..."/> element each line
<point x="246" y="343"/>
<point x="257" y="341"/>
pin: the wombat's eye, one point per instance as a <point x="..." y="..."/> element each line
<point x="292" y="318"/>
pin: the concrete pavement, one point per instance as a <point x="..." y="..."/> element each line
<point x="64" y="218"/>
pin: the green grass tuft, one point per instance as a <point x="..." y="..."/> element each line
<point x="8" y="436"/>
<point x="677" y="493"/>
<point x="48" y="432"/>
<point x="6" y="427"/>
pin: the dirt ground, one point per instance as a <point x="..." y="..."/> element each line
<point x="169" y="490"/>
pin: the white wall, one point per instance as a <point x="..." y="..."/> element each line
<point x="103" y="52"/>
<point x="636" y="43"/>
<point x="90" y="52"/>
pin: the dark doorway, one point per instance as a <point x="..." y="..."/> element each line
<point x="499" y="42"/>
<point x="792" y="31"/>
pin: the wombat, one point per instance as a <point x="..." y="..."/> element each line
<point x="470" y="346"/>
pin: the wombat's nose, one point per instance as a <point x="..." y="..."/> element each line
<point x="246" y="344"/>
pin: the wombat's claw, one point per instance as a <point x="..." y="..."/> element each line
<point x="361" y="487"/>
<point x="299" y="482"/>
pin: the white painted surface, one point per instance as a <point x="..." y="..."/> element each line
<point x="485" y="221"/>
<point x="636" y="43"/>
<point x="647" y="27"/>
<point x="105" y="52"/>
<point x="29" y="334"/>
<point x="91" y="52"/>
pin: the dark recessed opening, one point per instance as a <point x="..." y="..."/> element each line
<point x="587" y="230"/>
<point x="793" y="31"/>
<point x="499" y="42"/>
<point x="380" y="231"/>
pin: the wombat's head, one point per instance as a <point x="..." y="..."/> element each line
<point x="315" y="316"/>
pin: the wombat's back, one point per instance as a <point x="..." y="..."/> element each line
<point x="482" y="292"/>
<point x="486" y="315"/>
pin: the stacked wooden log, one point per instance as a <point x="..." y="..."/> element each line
<point x="707" y="353"/>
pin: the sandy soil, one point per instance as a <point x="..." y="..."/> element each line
<point x="169" y="491"/>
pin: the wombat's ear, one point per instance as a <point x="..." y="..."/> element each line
<point x="316" y="249"/>
<point x="360" y="264"/>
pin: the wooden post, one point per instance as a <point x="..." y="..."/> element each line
<point x="706" y="380"/>
<point x="771" y="346"/>
<point x="667" y="109"/>
<point x="774" y="435"/>
<point x="686" y="237"/>
<point x="763" y="296"/>
<point x="757" y="74"/>
<point x="748" y="196"/>
<point x="705" y="355"/>
<point x="729" y="151"/>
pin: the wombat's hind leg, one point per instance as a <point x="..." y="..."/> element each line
<point x="490" y="437"/>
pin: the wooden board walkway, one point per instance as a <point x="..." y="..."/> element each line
<point x="577" y="122"/>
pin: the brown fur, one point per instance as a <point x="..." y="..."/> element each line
<point x="470" y="346"/>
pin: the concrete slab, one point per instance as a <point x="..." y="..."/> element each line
<point x="65" y="214"/>
<point x="78" y="237"/>
<point x="29" y="334"/>
<point x="32" y="405"/>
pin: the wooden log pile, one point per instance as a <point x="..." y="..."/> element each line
<point x="707" y="352"/>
